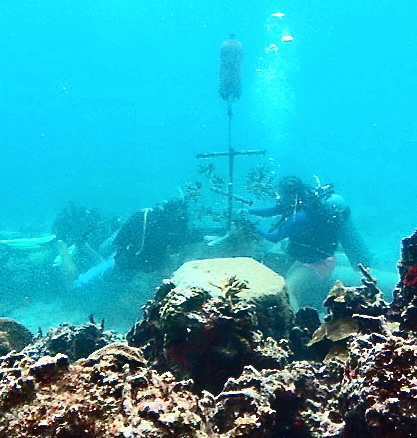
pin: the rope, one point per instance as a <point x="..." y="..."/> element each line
<point x="145" y="221"/>
<point x="231" y="165"/>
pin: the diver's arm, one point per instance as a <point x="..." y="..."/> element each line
<point x="266" y="212"/>
<point x="273" y="237"/>
<point x="287" y="228"/>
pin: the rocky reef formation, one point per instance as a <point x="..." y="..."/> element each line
<point x="74" y="341"/>
<point x="111" y="394"/>
<point x="379" y="388"/>
<point x="297" y="401"/>
<point x="205" y="361"/>
<point x="352" y="311"/>
<point x="13" y="336"/>
<point x="404" y="307"/>
<point x="206" y="324"/>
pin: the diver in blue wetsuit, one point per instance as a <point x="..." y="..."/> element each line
<point x="315" y="222"/>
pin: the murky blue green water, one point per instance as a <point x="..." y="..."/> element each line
<point x="106" y="103"/>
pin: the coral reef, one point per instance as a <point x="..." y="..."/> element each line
<point x="207" y="339"/>
<point x="404" y="306"/>
<point x="113" y="393"/>
<point x="379" y="388"/>
<point x="306" y="322"/>
<point x="13" y="336"/>
<point x="351" y="311"/>
<point x="47" y="368"/>
<point x="298" y="401"/>
<point x="263" y="288"/>
<point x="203" y="363"/>
<point x="210" y="333"/>
<point x="74" y="341"/>
<point x="108" y="395"/>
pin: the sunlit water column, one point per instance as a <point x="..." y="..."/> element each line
<point x="274" y="99"/>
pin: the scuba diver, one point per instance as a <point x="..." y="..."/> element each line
<point x="144" y="242"/>
<point x="314" y="221"/>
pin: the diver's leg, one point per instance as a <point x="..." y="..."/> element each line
<point x="305" y="287"/>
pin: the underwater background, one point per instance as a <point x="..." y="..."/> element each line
<point x="106" y="104"/>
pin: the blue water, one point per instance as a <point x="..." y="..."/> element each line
<point x="105" y="103"/>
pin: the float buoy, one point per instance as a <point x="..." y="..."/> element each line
<point x="230" y="76"/>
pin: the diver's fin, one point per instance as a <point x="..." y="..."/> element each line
<point x="216" y="240"/>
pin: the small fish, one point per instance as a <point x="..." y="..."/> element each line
<point x="278" y="14"/>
